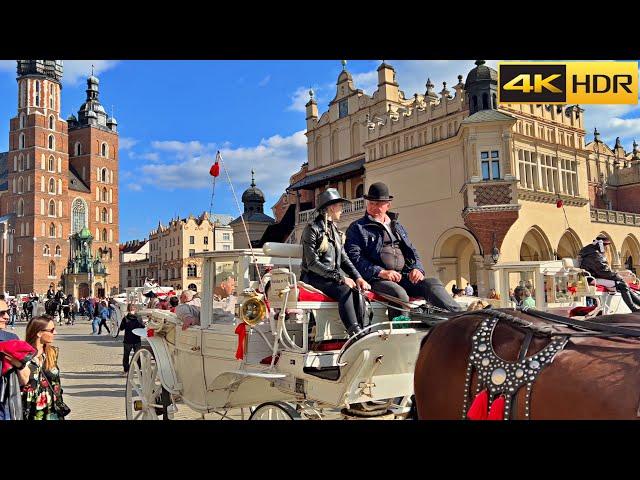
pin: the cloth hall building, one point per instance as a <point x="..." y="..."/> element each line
<point x="470" y="177"/>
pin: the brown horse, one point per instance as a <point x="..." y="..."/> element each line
<point x="591" y="377"/>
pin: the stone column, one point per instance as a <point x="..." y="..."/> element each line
<point x="508" y="153"/>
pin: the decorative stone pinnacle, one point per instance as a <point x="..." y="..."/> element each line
<point x="253" y="182"/>
<point x="344" y="64"/>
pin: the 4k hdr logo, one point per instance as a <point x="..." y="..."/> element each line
<point x="570" y="82"/>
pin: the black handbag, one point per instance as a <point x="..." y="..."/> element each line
<point x="59" y="407"/>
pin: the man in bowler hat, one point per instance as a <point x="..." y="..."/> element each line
<point x="379" y="247"/>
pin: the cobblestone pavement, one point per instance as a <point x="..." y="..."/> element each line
<point x="91" y="368"/>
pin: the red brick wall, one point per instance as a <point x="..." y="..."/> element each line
<point x="628" y="198"/>
<point x="485" y="224"/>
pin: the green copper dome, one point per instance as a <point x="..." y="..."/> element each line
<point x="85" y="233"/>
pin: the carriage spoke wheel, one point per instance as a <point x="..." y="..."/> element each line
<point x="114" y="322"/>
<point x="146" y="398"/>
<point x="275" y="411"/>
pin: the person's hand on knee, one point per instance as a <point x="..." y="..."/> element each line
<point x="416" y="276"/>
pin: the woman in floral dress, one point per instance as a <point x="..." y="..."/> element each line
<point x="42" y="388"/>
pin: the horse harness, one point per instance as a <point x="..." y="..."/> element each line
<point x="505" y="378"/>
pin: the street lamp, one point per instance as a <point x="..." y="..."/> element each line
<point x="495" y="252"/>
<point x="4" y="220"/>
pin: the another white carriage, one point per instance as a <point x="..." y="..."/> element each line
<point x="560" y="287"/>
<point x="297" y="361"/>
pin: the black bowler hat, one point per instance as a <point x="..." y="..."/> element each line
<point x="605" y="240"/>
<point x="378" y="192"/>
<point x="329" y="197"/>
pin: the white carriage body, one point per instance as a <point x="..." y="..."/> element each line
<point x="199" y="364"/>
<point x="558" y="286"/>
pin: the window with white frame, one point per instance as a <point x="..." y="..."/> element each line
<point x="192" y="270"/>
<point x="52" y="186"/>
<point x="21" y="143"/>
<point x="52" y="230"/>
<point x="23" y="120"/>
<point x="46" y="251"/>
<point x="226" y="247"/>
<point x="52" y="268"/>
<point x="226" y="237"/>
<point x="548" y="173"/>
<point x="52" y="142"/>
<point x="51" y="123"/>
<point x="52" y="208"/>
<point x="569" y="173"/>
<point x="528" y="169"/>
<point x="58" y="251"/>
<point x="104" y="150"/>
<point x="37" y="93"/>
<point x="52" y="164"/>
<point x="20" y="208"/>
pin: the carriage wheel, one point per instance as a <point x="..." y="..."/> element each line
<point x="275" y="411"/>
<point x="114" y="323"/>
<point x="146" y="398"/>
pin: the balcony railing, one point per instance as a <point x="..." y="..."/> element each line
<point x="613" y="216"/>
<point x="356" y="206"/>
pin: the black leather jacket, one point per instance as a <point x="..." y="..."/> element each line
<point x="330" y="263"/>
<point x="592" y="260"/>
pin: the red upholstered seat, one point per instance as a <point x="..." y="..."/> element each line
<point x="305" y="295"/>
<point x="580" y="310"/>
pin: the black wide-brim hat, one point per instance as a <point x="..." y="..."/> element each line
<point x="606" y="240"/>
<point x="329" y="197"/>
<point x="378" y="192"/>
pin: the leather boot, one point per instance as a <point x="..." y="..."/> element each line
<point x="626" y="296"/>
<point x="355" y="330"/>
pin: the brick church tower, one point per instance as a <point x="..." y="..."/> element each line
<point x="61" y="177"/>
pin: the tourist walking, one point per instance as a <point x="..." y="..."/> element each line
<point x="131" y="342"/>
<point x="105" y="314"/>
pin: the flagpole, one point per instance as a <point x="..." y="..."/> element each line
<point x="244" y="225"/>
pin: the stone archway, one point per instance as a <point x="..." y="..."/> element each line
<point x="630" y="254"/>
<point x="456" y="256"/>
<point x="569" y="245"/>
<point x="535" y="246"/>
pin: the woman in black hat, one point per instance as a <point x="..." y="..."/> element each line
<point x="325" y="264"/>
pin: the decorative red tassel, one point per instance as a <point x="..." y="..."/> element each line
<point x="479" y="407"/>
<point x="150" y="332"/>
<point x="241" y="331"/>
<point x="214" y="171"/>
<point x="559" y="203"/>
<point x="497" y="409"/>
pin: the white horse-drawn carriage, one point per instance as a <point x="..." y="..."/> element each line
<point x="287" y="356"/>
<point x="560" y="287"/>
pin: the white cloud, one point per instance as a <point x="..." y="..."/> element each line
<point x="126" y="143"/>
<point x="278" y="157"/>
<point x="264" y="81"/>
<point x="367" y="81"/>
<point x="299" y="99"/>
<point x="134" y="187"/>
<point x="74" y="70"/>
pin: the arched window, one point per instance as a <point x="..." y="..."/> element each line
<point x="52" y="186"/>
<point x="103" y="150"/>
<point x="52" y="208"/>
<point x="104" y="235"/>
<point x="51" y="124"/>
<point x="52" y="230"/>
<point x="105" y="216"/>
<point x="192" y="271"/>
<point x="359" y="191"/>
<point x="52" y="164"/>
<point x="20" y="163"/>
<point x="78" y="149"/>
<point x="51" y="96"/>
<point x="52" y="268"/>
<point x="58" y="251"/>
<point x="20" y="208"/>
<point x="21" y="141"/>
<point x="79" y="212"/>
<point x="46" y="251"/>
<point x="103" y="175"/>
<point x="37" y="93"/>
<point x="52" y="143"/>
<point x="23" y="120"/>
<point x="485" y="101"/>
<point x="104" y="195"/>
<point x="20" y="185"/>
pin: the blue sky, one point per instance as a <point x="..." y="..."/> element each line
<point x="174" y="115"/>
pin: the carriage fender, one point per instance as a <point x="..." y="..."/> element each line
<point x="165" y="365"/>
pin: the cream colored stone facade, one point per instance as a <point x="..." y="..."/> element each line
<point x="171" y="249"/>
<point x="457" y="205"/>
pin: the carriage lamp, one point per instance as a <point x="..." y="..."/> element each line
<point x="253" y="310"/>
